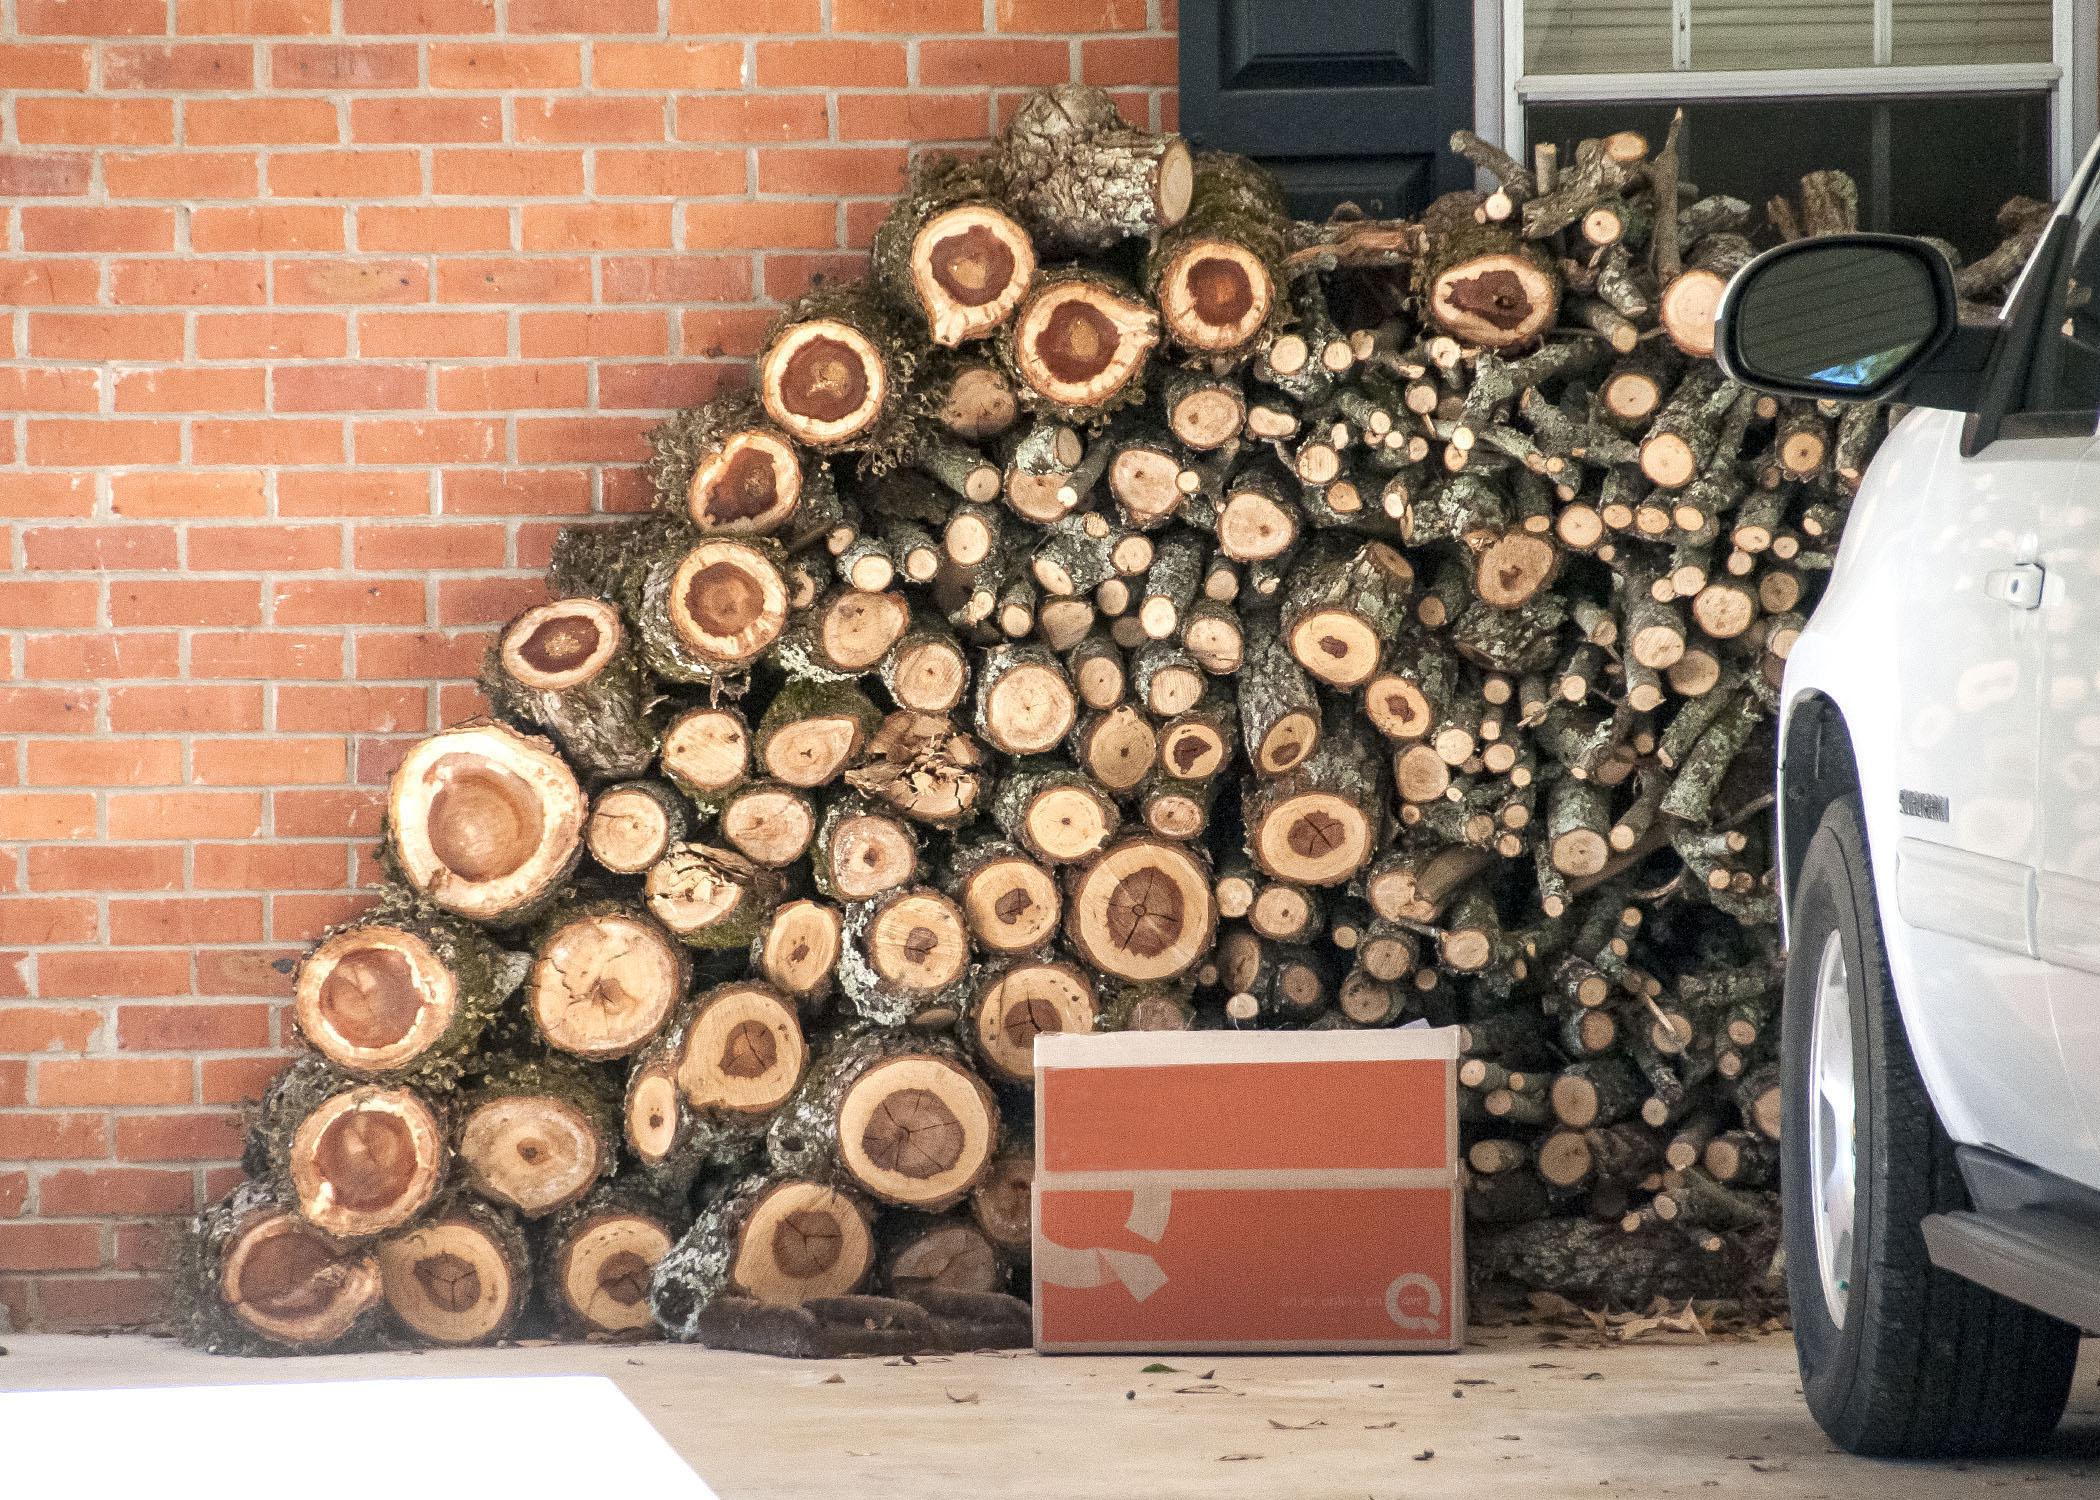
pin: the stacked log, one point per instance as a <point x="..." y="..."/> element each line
<point x="1127" y="609"/>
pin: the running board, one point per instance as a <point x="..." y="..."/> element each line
<point x="2033" y="1256"/>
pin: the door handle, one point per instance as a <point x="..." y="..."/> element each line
<point x="2017" y="587"/>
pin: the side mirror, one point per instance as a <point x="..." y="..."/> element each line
<point x="1850" y="316"/>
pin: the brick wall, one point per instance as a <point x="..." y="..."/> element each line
<point x="318" y="318"/>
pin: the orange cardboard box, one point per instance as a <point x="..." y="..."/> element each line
<point x="1248" y="1191"/>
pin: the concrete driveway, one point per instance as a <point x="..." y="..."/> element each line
<point x="1522" y="1415"/>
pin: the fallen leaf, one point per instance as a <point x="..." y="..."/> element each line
<point x="1237" y="1458"/>
<point x="1158" y="1369"/>
<point x="1472" y="1382"/>
<point x="832" y="1380"/>
<point x="1295" y="1426"/>
<point x="968" y="1398"/>
<point x="1379" y="1426"/>
<point x="1425" y="1455"/>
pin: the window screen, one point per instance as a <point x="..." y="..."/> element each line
<point x="1634" y="36"/>
<point x="1971" y="32"/>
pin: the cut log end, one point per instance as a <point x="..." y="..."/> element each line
<point x="1077" y="343"/>
<point x="1313" y="838"/>
<point x="1024" y="1002"/>
<point x="800" y="948"/>
<point x="1215" y="296"/>
<point x="629" y="831"/>
<point x="532" y="1152"/>
<point x="917" y="942"/>
<point x="869" y="853"/>
<point x="1144" y="910"/>
<point x="1688" y="309"/>
<point x="453" y="1280"/>
<point x="1067" y="821"/>
<point x="558" y="646"/>
<point x="748" y="486"/>
<point x="1338" y="646"/>
<point x="1207" y="416"/>
<point x="366" y="1160"/>
<point x="1029" y="709"/>
<point x="727" y="602"/>
<point x="743" y="1051"/>
<point x="484" y="821"/>
<point x="1011" y="904"/>
<point x="1495" y="301"/>
<point x="289" y="1282"/>
<point x="374" y="998"/>
<point x="929" y="675"/>
<point x="917" y="1130"/>
<point x="707" y="749"/>
<point x="802" y="1240"/>
<point x="769" y="825"/>
<point x="824" y="381"/>
<point x="970" y="265"/>
<point x="857" y="628"/>
<point x="603" y="985"/>
<point x="1289" y="741"/>
<point x="600" y="1271"/>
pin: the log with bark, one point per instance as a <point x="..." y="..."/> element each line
<point x="1125" y="610"/>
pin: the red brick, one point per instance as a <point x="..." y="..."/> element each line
<point x="207" y="283"/>
<point x="220" y="815"/>
<point x="143" y="973"/>
<point x="267" y="227"/>
<point x="51" y="1247"/>
<point x="821" y="63"/>
<point x="47" y="815"/>
<point x="98" y="867"/>
<point x="1134" y="60"/>
<point x="760" y="226"/>
<point x="598" y="226"/>
<point x="302" y="918"/>
<point x="272" y="335"/>
<point x="172" y="707"/>
<point x="104" y="440"/>
<point x="721" y="119"/>
<point x="420" y="655"/>
<point x="186" y="601"/>
<point x="77" y="549"/>
<point x="350" y="387"/>
<point x="594" y="334"/>
<point x="99" y="336"/>
<point x="189" y="493"/>
<point x="282" y="762"/>
<point x="100" y="228"/>
<point x="48" y="710"/>
<point x="505" y="66"/>
<point x="665" y="65"/>
<point x="45" y="121"/>
<point x="735" y="17"/>
<point x="252" y="17"/>
<point x="178" y="67"/>
<point x="591" y="119"/>
<point x="426" y="226"/>
<point x="75" y="1082"/>
<point x="109" y="1192"/>
<point x="657" y="387"/>
<point x="824" y="170"/>
<point x="50" y="1136"/>
<point x="38" y="920"/>
<point x="506" y="174"/>
<point x="261" y="867"/>
<point x="486" y="601"/>
<point x="192" y="919"/>
<point x="506" y="492"/>
<point x="682" y="173"/>
<point x="93" y="18"/>
<point x="268" y="121"/>
<point x="31" y="389"/>
<point x="676" y="278"/>
<point x="494" y="279"/>
<point x="279" y="440"/>
<point x="606" y="17"/>
<point x="204" y="1136"/>
<point x="48" y="603"/>
<point x="203" y="174"/>
<point x="439" y="545"/>
<point x="14" y="1192"/>
<point x="717" y="331"/>
<point x="266" y="654"/>
<point x="346" y="709"/>
<point x="236" y="1080"/>
<point x="43" y="282"/>
<point x="248" y="970"/>
<point x="911" y="16"/>
<point x="419" y="122"/>
<point x="72" y="1303"/>
<point x="583" y="439"/>
<point x="325" y="814"/>
<point x="146" y="1245"/>
<point x="343" y="65"/>
<point x="365" y="492"/>
<point x="513" y="387"/>
<point x="789" y="276"/>
<point x="126" y="762"/>
<point x="191" y="388"/>
<point x="134" y="654"/>
<point x="44" y="175"/>
<point x="397" y="335"/>
<point x="340" y="602"/>
<point x="264" y="549"/>
<point x="912" y="117"/>
<point x="44" y="67"/>
<point x="425" y="441"/>
<point x="418" y="17"/>
<point x="1065" y="16"/>
<point x="364" y="173"/>
<point x="991" y="63"/>
<point x="193" y="1027"/>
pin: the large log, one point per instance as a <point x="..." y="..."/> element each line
<point x="951" y="251"/>
<point x="461" y="1275"/>
<point x="1082" y="179"/>
<point x="258" y="1276"/>
<point x="358" y="1158"/>
<point x="778" y="1241"/>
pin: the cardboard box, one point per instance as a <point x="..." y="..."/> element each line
<point x="1248" y="1191"/>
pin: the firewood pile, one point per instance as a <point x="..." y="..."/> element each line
<point x="1125" y="609"/>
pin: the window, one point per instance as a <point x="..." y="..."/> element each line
<point x="1924" y="102"/>
<point x="2064" y="375"/>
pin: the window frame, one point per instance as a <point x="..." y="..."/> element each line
<point x="1503" y="89"/>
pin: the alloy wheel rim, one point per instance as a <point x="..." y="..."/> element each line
<point x="1832" y="1130"/>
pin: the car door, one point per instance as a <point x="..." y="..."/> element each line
<point x="2067" y="904"/>
<point x="1978" y="788"/>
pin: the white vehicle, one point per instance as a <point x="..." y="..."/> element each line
<point x="1940" y="837"/>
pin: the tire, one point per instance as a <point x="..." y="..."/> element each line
<point x="1926" y="1363"/>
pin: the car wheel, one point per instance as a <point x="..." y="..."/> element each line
<point x="1898" y="1358"/>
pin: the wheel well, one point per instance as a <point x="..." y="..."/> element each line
<point x="1816" y="768"/>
